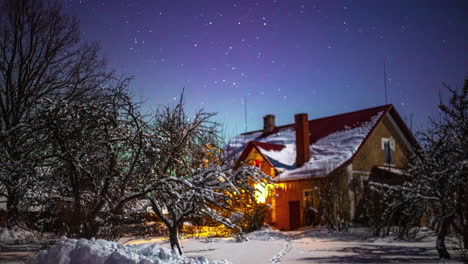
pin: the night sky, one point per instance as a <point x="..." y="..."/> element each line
<point x="283" y="56"/>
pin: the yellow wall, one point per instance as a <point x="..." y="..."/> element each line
<point x="371" y="153"/>
<point x="264" y="165"/>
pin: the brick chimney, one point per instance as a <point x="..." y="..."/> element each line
<point x="268" y="124"/>
<point x="302" y="139"/>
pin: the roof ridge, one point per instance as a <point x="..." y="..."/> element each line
<point x="387" y="106"/>
<point x="353" y="112"/>
<point x="266" y="143"/>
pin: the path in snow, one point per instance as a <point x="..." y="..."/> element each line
<point x="286" y="248"/>
<point x="252" y="251"/>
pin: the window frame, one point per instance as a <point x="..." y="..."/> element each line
<point x="312" y="193"/>
<point x="388" y="144"/>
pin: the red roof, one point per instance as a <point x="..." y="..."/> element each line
<point x="268" y="146"/>
<point x="257" y="145"/>
<point x="325" y="126"/>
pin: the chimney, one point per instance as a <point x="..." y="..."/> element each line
<point x="302" y="139"/>
<point x="268" y="124"/>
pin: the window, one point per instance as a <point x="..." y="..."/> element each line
<point x="257" y="163"/>
<point x="388" y="146"/>
<point x="310" y="208"/>
<point x="309" y="200"/>
<point x="387" y="153"/>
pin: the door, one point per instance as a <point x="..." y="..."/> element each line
<point x="294" y="215"/>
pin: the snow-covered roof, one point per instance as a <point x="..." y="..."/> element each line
<point x="334" y="140"/>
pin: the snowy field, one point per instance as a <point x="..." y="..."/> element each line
<point x="312" y="245"/>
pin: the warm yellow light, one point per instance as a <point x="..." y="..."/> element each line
<point x="262" y="192"/>
<point x="144" y="241"/>
<point x="205" y="231"/>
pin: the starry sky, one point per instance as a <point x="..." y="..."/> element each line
<point x="282" y="57"/>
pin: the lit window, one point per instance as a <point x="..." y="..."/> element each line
<point x="257" y="163"/>
<point x="262" y="192"/>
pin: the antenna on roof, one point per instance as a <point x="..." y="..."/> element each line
<point x="411" y="121"/>
<point x="245" y="113"/>
<point x="385" y="78"/>
<point x="141" y="94"/>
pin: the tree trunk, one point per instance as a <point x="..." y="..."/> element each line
<point x="174" y="238"/>
<point x="465" y="217"/>
<point x="440" y="241"/>
<point x="464" y="231"/>
<point x="91" y="228"/>
<point x="12" y="211"/>
<point x="76" y="221"/>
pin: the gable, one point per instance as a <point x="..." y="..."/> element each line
<point x="253" y="154"/>
<point x="371" y="153"/>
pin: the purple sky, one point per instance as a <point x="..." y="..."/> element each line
<point x="284" y="56"/>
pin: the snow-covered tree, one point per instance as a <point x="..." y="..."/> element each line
<point x="192" y="177"/>
<point x="387" y="208"/>
<point x="334" y="203"/>
<point x="440" y="169"/>
<point x="94" y="169"/>
<point x="41" y="57"/>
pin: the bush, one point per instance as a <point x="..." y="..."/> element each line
<point x="386" y="210"/>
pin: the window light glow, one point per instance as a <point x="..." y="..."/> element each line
<point x="262" y="192"/>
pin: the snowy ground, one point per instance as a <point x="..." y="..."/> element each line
<point x="312" y="245"/>
<point x="17" y="246"/>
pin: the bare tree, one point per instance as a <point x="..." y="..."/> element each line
<point x="193" y="179"/>
<point x="95" y="160"/>
<point x="41" y="57"/>
<point x="440" y="169"/>
<point x="334" y="204"/>
<point x="387" y="208"/>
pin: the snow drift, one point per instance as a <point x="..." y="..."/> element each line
<point x="7" y="235"/>
<point x="266" y="233"/>
<point x="98" y="251"/>
<point x="16" y="235"/>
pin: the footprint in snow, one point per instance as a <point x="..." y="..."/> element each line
<point x="286" y="248"/>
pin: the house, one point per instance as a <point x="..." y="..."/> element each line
<point x="327" y="157"/>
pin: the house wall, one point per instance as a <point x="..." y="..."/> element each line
<point x="265" y="167"/>
<point x="371" y="153"/>
<point x="293" y="191"/>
